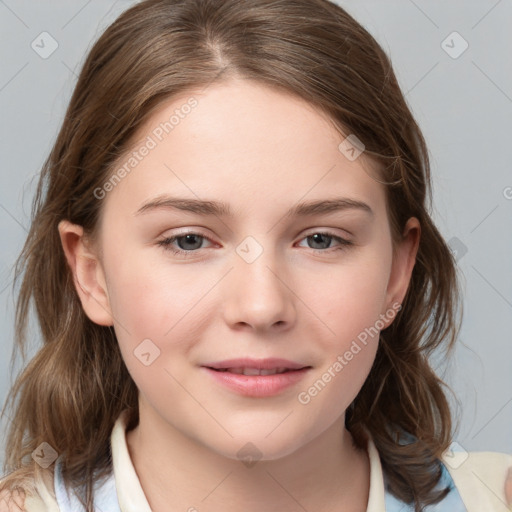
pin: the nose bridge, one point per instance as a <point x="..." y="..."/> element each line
<point x="257" y="263"/>
<point x="257" y="293"/>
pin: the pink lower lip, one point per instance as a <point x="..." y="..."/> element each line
<point x="257" y="385"/>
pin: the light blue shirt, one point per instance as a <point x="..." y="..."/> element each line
<point x="475" y="479"/>
<point x="105" y="496"/>
<point x="452" y="502"/>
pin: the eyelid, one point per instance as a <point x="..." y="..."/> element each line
<point x="331" y="231"/>
<point x="166" y="243"/>
<point x="192" y="231"/>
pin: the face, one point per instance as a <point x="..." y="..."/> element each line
<point x="189" y="287"/>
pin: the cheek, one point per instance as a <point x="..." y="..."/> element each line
<point x="141" y="303"/>
<point x="159" y="302"/>
<point x="151" y="296"/>
<point x="336" y="385"/>
<point x="352" y="298"/>
<point x="155" y="325"/>
<point x="354" y="301"/>
<point x="350" y="308"/>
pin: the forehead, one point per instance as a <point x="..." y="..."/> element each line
<point x="244" y="143"/>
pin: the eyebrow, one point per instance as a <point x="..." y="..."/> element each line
<point x="221" y="209"/>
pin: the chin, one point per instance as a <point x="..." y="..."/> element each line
<point x="259" y="445"/>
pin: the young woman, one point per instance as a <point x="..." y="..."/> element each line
<point x="237" y="279"/>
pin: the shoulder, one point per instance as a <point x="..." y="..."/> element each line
<point x="20" y="502"/>
<point x="12" y="501"/>
<point x="480" y="478"/>
<point x="36" y="495"/>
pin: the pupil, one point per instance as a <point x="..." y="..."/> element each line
<point x="319" y="235"/>
<point x="188" y="240"/>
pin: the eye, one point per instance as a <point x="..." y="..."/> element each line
<point x="190" y="242"/>
<point x="324" y="238"/>
<point x="189" y="239"/>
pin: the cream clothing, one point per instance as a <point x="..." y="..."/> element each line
<point x="477" y="478"/>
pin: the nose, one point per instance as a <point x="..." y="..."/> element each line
<point x="258" y="294"/>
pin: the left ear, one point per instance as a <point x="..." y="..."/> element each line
<point x="404" y="258"/>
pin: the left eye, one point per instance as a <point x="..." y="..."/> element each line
<point x="317" y="238"/>
<point x="194" y="240"/>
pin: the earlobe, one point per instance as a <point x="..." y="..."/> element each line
<point x="404" y="260"/>
<point x="88" y="274"/>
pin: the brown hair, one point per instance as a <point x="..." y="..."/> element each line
<point x="75" y="387"/>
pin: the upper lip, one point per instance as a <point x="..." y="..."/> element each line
<point x="261" y="364"/>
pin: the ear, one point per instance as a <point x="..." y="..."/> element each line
<point x="87" y="271"/>
<point x="404" y="258"/>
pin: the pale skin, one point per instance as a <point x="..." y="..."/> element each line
<point x="261" y="151"/>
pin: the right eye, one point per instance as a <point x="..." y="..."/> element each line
<point x="188" y="237"/>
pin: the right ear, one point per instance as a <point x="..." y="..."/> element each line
<point x="88" y="273"/>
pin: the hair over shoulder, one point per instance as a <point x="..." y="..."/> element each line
<point x="74" y="388"/>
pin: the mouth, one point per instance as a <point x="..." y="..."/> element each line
<point x="251" y="365"/>
<point x="256" y="378"/>
<point x="256" y="371"/>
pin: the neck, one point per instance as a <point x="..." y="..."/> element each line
<point x="328" y="474"/>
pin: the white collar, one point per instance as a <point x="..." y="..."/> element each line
<point x="131" y="497"/>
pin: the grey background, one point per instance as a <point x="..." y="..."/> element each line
<point x="463" y="105"/>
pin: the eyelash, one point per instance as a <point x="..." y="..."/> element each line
<point x="166" y="243"/>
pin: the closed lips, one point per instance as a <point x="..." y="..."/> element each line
<point x="256" y="377"/>
<point x="253" y="371"/>
<point x="253" y="367"/>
